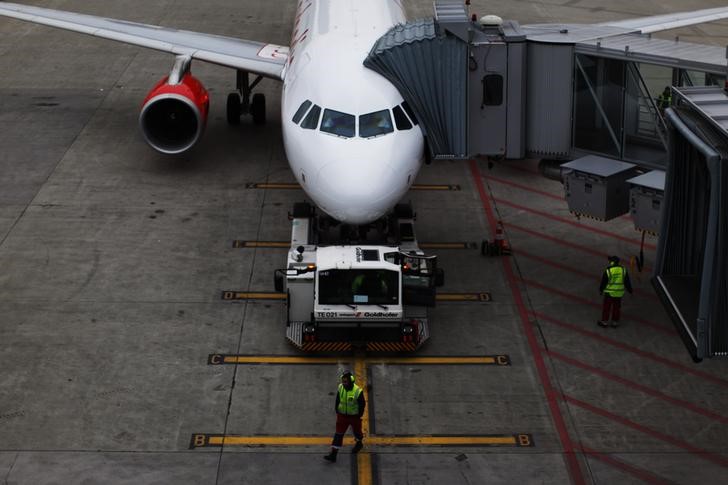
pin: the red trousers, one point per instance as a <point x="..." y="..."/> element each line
<point x="613" y="304"/>
<point x="343" y="421"/>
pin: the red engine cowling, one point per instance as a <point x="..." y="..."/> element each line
<point x="174" y="116"/>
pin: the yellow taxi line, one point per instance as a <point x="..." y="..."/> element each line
<point x="360" y="371"/>
<point x="502" y="440"/>
<point x="364" y="469"/>
<point x="256" y="359"/>
<point x="260" y="295"/>
<point x="360" y="363"/>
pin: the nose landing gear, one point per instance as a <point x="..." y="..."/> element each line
<point x="239" y="102"/>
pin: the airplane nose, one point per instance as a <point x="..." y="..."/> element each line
<point x="358" y="193"/>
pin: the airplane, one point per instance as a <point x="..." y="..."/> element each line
<point x="352" y="142"/>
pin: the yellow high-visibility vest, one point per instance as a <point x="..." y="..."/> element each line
<point x="349" y="400"/>
<point x="615" y="282"/>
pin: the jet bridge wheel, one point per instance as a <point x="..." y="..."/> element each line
<point x="234" y="109"/>
<point x="257" y="108"/>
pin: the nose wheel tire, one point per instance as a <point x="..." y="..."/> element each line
<point x="257" y="108"/>
<point x="234" y="109"/>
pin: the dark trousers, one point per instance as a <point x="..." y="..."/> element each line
<point x="611" y="303"/>
<point x="343" y="421"/>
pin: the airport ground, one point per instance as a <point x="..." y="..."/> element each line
<point x="113" y="260"/>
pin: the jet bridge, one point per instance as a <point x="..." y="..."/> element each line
<point x="495" y="88"/>
<point x="691" y="272"/>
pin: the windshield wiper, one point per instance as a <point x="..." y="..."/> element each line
<point x="382" y="306"/>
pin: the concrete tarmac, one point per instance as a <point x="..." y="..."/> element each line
<point x="113" y="260"/>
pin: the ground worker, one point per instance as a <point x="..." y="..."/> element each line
<point x="614" y="281"/>
<point x="369" y="285"/>
<point x="349" y="407"/>
<point x="664" y="100"/>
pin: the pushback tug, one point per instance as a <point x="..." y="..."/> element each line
<point x="357" y="287"/>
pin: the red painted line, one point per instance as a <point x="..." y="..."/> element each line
<point x="520" y="166"/>
<point x="569" y="269"/>
<point x="643" y="475"/>
<point x="556" y="240"/>
<point x="634" y="350"/>
<point x="647" y="390"/>
<point x="575" y="224"/>
<point x="551" y="396"/>
<point x="700" y="452"/>
<point x="660" y="328"/>
<point x="524" y="187"/>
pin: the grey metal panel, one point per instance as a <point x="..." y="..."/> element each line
<point x="599" y="166"/>
<point x="643" y="48"/>
<point x="711" y="102"/>
<point x="429" y="69"/>
<point x="450" y="11"/>
<point x="487" y="123"/>
<point x="646" y="200"/>
<point x="645" y="207"/>
<point x="452" y="15"/>
<point x="569" y="33"/>
<point x="516" y="101"/>
<point x="654" y="179"/>
<point x="550" y="98"/>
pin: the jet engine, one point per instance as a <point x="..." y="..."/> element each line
<point x="174" y="113"/>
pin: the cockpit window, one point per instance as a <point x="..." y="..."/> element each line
<point x="337" y="123"/>
<point x="374" y="124"/>
<point x="301" y="111"/>
<point x="310" y="122"/>
<point x="400" y="119"/>
<point x="410" y="113"/>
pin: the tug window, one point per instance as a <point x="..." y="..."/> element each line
<point x="337" y="123"/>
<point x="375" y="124"/>
<point x="359" y="286"/>
<point x="310" y="122"/>
<point x="301" y="111"/>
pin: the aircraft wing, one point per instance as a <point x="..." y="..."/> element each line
<point x="256" y="57"/>
<point x="646" y="25"/>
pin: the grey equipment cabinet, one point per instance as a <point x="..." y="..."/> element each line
<point x="596" y="187"/>
<point x="646" y="195"/>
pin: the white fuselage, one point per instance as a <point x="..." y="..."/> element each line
<point x="355" y="178"/>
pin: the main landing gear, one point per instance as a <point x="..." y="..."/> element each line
<point x="240" y="102"/>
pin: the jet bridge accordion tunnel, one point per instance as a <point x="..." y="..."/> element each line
<point x="461" y="82"/>
<point x="691" y="270"/>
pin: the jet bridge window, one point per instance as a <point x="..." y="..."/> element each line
<point x="492" y="90"/>
<point x="358" y="287"/>
<point x="400" y="119"/>
<point x="310" y="122"/>
<point x="375" y="124"/>
<point x="337" y="123"/>
<point x="301" y="111"/>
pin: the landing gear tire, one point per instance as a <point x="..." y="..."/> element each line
<point x="234" y="109"/>
<point x="257" y="108"/>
